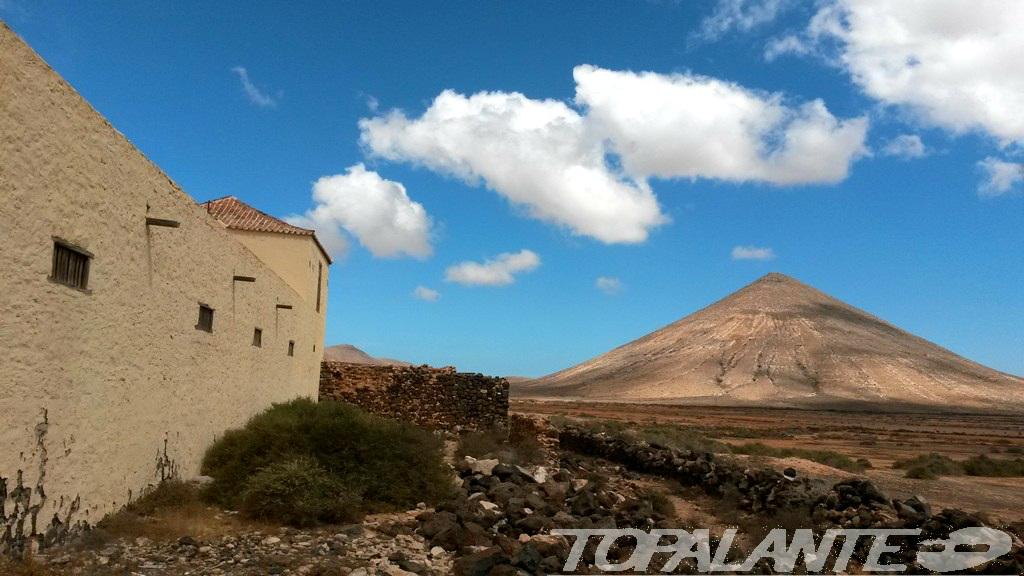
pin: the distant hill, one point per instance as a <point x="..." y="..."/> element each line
<point x="351" y="354"/>
<point x="779" y="342"/>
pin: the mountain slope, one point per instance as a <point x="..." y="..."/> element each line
<point x="779" y="342"/>
<point x="352" y="355"/>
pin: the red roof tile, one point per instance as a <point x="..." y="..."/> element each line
<point x="238" y="215"/>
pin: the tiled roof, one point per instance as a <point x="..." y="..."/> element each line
<point x="238" y="215"/>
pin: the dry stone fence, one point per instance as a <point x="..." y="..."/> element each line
<point x="435" y="397"/>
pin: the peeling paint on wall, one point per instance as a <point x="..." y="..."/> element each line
<point x="19" y="530"/>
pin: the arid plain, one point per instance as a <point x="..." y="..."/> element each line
<point x="881" y="438"/>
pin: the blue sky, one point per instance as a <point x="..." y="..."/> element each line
<point x="698" y="146"/>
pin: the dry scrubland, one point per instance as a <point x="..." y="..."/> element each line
<point x="884" y="440"/>
<point x="327" y="490"/>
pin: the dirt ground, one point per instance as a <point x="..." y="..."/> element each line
<point x="880" y="438"/>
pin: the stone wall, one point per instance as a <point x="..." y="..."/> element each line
<point x="435" y="397"/>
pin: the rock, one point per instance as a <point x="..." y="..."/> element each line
<point x="480" y="563"/>
<point x="789" y="474"/>
<point x="485" y="467"/>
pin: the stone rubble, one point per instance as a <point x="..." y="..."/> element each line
<point x="383" y="546"/>
<point x="499" y="519"/>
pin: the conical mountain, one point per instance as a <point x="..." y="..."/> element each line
<point x="780" y="342"/>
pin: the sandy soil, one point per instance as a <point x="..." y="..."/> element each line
<point x="880" y="438"/>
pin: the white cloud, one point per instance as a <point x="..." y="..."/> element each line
<point x="689" y="126"/>
<point x="610" y="286"/>
<point x="752" y="253"/>
<point x="550" y="158"/>
<point x="1000" y="176"/>
<point x="536" y="153"/>
<point x="905" y="146"/>
<point x="786" y="45"/>
<point x="376" y="211"/>
<point x="741" y="15"/>
<point x="500" y="271"/>
<point x="956" y="64"/>
<point x="424" y="293"/>
<point x="256" y="96"/>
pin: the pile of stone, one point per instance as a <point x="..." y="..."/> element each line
<point x="439" y="398"/>
<point x="382" y="546"/>
<point x="499" y="522"/>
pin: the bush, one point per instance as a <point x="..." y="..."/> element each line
<point x="167" y="494"/>
<point x="330" y="458"/>
<point x="826" y="457"/>
<point x="930" y="467"/>
<point x="298" y="492"/>
<point x="982" y="465"/>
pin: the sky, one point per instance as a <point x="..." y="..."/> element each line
<point x="515" y="187"/>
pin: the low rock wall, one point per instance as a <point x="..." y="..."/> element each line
<point x="435" y="397"/>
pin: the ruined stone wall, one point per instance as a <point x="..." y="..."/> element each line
<point x="107" y="390"/>
<point x="436" y="397"/>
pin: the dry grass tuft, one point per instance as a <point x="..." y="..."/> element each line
<point x="171" y="510"/>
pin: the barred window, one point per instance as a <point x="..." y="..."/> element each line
<point x="70" y="265"/>
<point x="205" y="318"/>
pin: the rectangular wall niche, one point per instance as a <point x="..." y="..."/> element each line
<point x="205" y="318"/>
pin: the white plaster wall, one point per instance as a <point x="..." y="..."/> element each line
<point x="116" y="372"/>
<point x="294" y="258"/>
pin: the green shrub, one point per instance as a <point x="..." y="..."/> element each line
<point x="930" y="466"/>
<point x="826" y="457"/>
<point x="679" y="438"/>
<point x="299" y="492"/>
<point x="367" y="462"/>
<point x="982" y="465"/>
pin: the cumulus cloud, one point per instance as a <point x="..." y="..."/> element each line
<point x="424" y="293"/>
<point x="905" y="146"/>
<point x="551" y="159"/>
<point x="536" y="153"/>
<point x="376" y="211"/>
<point x="752" y="253"/>
<point x="955" y="64"/>
<point x="501" y="271"/>
<point x="741" y="15"/>
<point x="1000" y="177"/>
<point x="255" y="95"/>
<point x="689" y="126"/>
<point x="610" y="286"/>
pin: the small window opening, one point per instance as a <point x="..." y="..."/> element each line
<point x="70" y="266"/>
<point x="291" y="347"/>
<point x="205" y="318"/>
<point x="319" y="284"/>
<point x="257" y="338"/>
